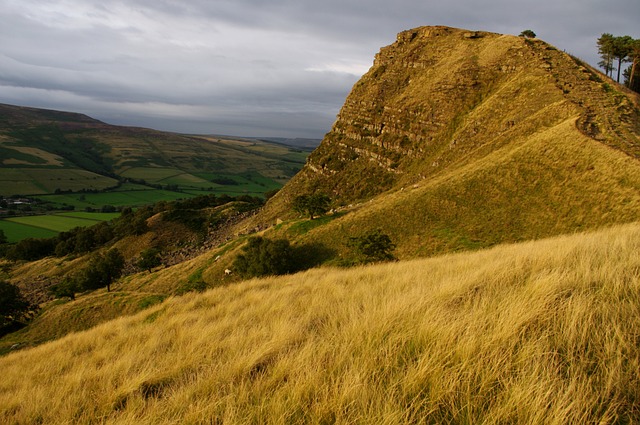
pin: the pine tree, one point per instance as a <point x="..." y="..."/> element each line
<point x="606" y="52"/>
<point x="622" y="48"/>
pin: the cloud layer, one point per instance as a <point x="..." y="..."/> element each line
<point x="245" y="67"/>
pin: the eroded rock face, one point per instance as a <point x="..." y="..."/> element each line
<point x="440" y="95"/>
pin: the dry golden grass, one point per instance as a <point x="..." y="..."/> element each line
<point x="540" y="332"/>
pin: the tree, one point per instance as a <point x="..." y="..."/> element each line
<point x="373" y="247"/>
<point x="67" y="288"/>
<point x="633" y="71"/>
<point x="149" y="258"/>
<point x="313" y="205"/>
<point x="12" y="303"/>
<point x="32" y="249"/>
<point x="622" y="48"/>
<point x="265" y="257"/>
<point x="3" y="237"/>
<point x="605" y="50"/>
<point x="528" y="34"/>
<point x="103" y="270"/>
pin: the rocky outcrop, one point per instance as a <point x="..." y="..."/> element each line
<point x="439" y="96"/>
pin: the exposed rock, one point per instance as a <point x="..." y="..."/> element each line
<point x="438" y="93"/>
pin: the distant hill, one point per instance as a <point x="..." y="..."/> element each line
<point x="300" y="143"/>
<point x="44" y="151"/>
<point x="461" y="139"/>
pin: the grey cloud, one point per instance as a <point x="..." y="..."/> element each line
<point x="246" y="67"/>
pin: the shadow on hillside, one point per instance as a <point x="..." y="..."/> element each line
<point x="312" y="254"/>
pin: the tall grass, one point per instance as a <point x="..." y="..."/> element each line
<point x="540" y="332"/>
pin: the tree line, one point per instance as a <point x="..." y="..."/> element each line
<point x="615" y="51"/>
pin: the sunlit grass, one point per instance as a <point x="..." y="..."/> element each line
<point x="541" y="332"/>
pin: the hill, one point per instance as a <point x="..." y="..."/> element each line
<point x="540" y="332"/>
<point x="459" y="139"/>
<point x="44" y="152"/>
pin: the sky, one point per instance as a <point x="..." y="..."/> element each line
<point x="253" y="68"/>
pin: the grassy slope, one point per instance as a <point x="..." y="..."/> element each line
<point x="556" y="182"/>
<point x="540" y="332"/>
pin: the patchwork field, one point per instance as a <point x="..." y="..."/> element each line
<point x="17" y="231"/>
<point x="47" y="152"/>
<point x="45" y="226"/>
<point x="36" y="181"/>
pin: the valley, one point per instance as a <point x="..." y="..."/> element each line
<point x="66" y="161"/>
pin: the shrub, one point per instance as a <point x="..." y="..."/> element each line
<point x="265" y="257"/>
<point x="149" y="258"/>
<point x="67" y="288"/>
<point x="31" y="249"/>
<point x="103" y="270"/>
<point x="313" y="205"/>
<point x="12" y="305"/>
<point x="373" y="247"/>
<point x="528" y="34"/>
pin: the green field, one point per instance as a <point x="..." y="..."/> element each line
<point x="131" y="198"/>
<point x="161" y="175"/>
<point x="32" y="181"/>
<point x="16" y="232"/>
<point x="93" y="216"/>
<point x="46" y="226"/>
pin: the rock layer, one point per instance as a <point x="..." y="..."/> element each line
<point x="441" y="96"/>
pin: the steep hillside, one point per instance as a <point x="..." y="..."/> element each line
<point x="463" y="139"/>
<point x="541" y="332"/>
<point x="43" y="150"/>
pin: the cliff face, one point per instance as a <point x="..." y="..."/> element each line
<point x="460" y="139"/>
<point x="440" y="97"/>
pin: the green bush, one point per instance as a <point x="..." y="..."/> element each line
<point x="149" y="258"/>
<point x="373" y="247"/>
<point x="312" y="205"/>
<point x="65" y="289"/>
<point x="103" y="270"/>
<point x="12" y="305"/>
<point x="265" y="257"/>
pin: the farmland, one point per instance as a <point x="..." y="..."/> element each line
<point x="72" y="159"/>
<point x="46" y="226"/>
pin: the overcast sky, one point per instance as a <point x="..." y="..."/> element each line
<point x="246" y="67"/>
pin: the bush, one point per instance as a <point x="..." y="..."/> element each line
<point x="65" y="289"/>
<point x="149" y="258"/>
<point x="313" y="205"/>
<point x="528" y="34"/>
<point x="12" y="305"/>
<point x="31" y="249"/>
<point x="265" y="257"/>
<point x="103" y="270"/>
<point x="373" y="247"/>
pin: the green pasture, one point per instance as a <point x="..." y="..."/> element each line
<point x="94" y="216"/>
<point x="47" y="226"/>
<point x="186" y="180"/>
<point x="32" y="181"/>
<point x="117" y="199"/>
<point x="56" y="223"/>
<point x="16" y="231"/>
<point x="150" y="174"/>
